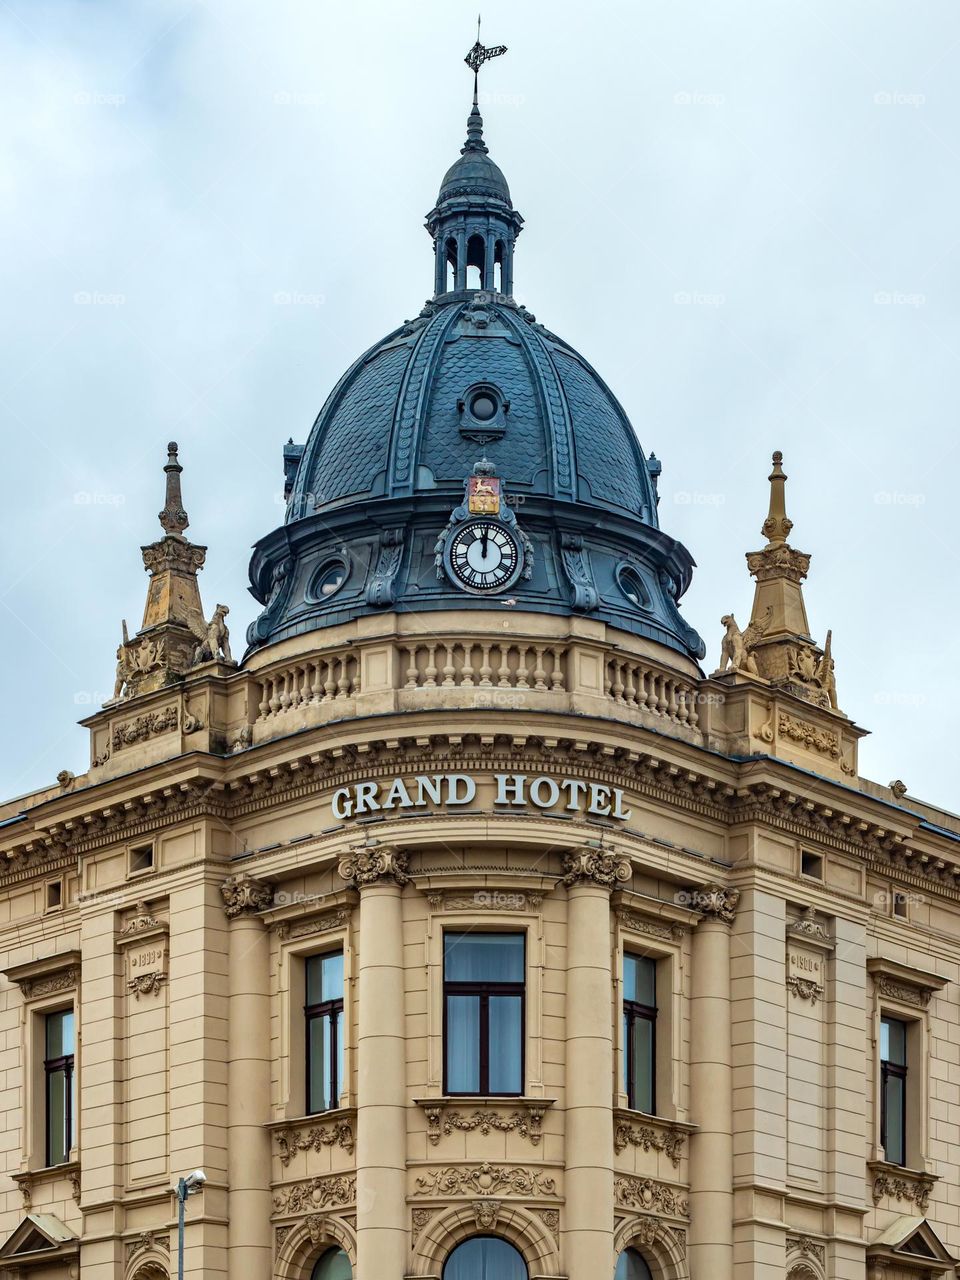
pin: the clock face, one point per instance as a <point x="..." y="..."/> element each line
<point x="484" y="556"/>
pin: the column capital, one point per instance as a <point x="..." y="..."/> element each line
<point x="243" y="895"/>
<point x="368" y="864"/>
<point x="713" y="900"/>
<point x="594" y="866"/>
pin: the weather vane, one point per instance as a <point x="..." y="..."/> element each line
<point x="479" y="54"/>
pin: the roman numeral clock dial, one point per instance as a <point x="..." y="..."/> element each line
<point x="485" y="556"/>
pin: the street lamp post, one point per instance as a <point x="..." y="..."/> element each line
<point x="188" y="1186"/>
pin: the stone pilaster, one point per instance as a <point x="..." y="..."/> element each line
<point x="248" y="1080"/>
<point x="382" y="1231"/>
<point x="711" y="1087"/>
<point x="587" y="1241"/>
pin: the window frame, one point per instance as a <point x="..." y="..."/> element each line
<point x="631" y="1010"/>
<point x="484" y="990"/>
<point x="67" y="1064"/>
<point x="896" y="1071"/>
<point x="337" y="1038"/>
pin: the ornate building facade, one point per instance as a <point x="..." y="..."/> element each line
<point x="467" y="928"/>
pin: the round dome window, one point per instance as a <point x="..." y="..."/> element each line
<point x="329" y="578"/>
<point x="631" y="584"/>
<point x="483" y="407"/>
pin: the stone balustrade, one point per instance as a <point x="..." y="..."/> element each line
<point x="635" y="683"/>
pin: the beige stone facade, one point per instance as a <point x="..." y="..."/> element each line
<point x="171" y="896"/>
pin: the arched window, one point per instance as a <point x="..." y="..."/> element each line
<point x="334" y="1265"/>
<point x="485" y="1258"/>
<point x="498" y="267"/>
<point x="476" y="262"/>
<point x="450" y="250"/>
<point x="630" y="1266"/>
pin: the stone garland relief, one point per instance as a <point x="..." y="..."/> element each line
<point x="441" y="1122"/>
<point x="485" y="1180"/>
<point x="669" y="1142"/>
<point x="808" y="735"/>
<point x="318" y="1193"/>
<point x="916" y="1192"/>
<point x="147" y="726"/>
<point x="49" y="984"/>
<point x="645" y="1194"/>
<point x="292" y="1140"/>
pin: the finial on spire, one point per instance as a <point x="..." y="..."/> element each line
<point x="475" y="59"/>
<point x="173" y="518"/>
<point x="776" y="527"/>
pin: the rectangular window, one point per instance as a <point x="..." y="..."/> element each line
<point x="483" y="995"/>
<point x="58" y="1060"/>
<point x="893" y="1089"/>
<point x="640" y="1032"/>
<point x="324" y="1018"/>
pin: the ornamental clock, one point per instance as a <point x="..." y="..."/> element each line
<point x="482" y="550"/>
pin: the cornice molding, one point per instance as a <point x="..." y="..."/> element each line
<point x="648" y="776"/>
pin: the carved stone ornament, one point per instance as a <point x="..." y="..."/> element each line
<point x="294" y="1139"/>
<point x="736" y="650"/>
<point x="318" y="1193"/>
<point x="806" y="1247"/>
<point x="49" y="984"/>
<point x="669" y="1141"/>
<point x="603" y="869"/>
<point x="145" y="984"/>
<point x="310" y="927"/>
<point x="368" y="864"/>
<point x="913" y="1190"/>
<point x="903" y="991"/>
<point x="669" y="931"/>
<point x="645" y="1194"/>
<point x="151" y="725"/>
<point x="242" y="894"/>
<point x="810" y="927"/>
<point x="142" y="922"/>
<point x="145" y="1242"/>
<point x="714" y="900"/>
<point x="825" y="741"/>
<point x="528" y="1124"/>
<point x="576" y="565"/>
<point x="805" y="988"/>
<point x="381" y="589"/>
<point x="551" y="1220"/>
<point x="419" y="1219"/>
<point x="486" y="1213"/>
<point x="648" y="1230"/>
<point x="485" y="1180"/>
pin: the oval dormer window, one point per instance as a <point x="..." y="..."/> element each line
<point x="329" y="578"/>
<point x="482" y="406"/>
<point x="631" y="584"/>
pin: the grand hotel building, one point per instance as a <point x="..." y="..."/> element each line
<point x="468" y="927"/>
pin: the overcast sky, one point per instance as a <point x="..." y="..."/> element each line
<point x="743" y="214"/>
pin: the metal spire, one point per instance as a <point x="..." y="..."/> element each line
<point x="475" y="59"/>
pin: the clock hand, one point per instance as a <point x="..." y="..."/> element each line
<point x="483" y="542"/>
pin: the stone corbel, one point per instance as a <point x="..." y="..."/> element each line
<point x="588" y="865"/>
<point x="367" y="864"/>
<point x="243" y="895"/>
<point x="902" y="983"/>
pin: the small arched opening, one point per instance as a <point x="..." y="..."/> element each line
<point x="450" y="260"/>
<point x="499" y="255"/>
<point x="476" y="260"/>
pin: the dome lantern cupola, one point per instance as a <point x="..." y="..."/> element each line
<point x="474" y="224"/>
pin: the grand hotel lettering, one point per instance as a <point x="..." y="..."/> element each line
<point x="454" y="790"/>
